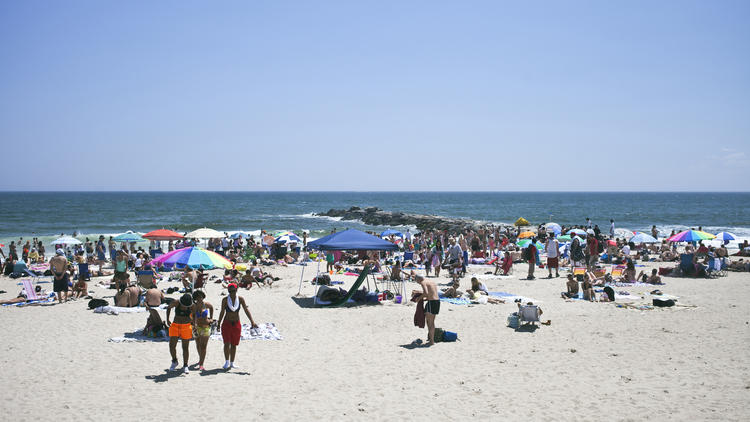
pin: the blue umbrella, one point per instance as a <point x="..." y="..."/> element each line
<point x="391" y="232"/>
<point x="725" y="236"/>
<point x="128" y="237"/>
<point x="286" y="238"/>
<point x="554" y="228"/>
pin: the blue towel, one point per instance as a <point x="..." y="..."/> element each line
<point x="455" y="300"/>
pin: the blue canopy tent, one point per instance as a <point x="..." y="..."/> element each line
<point x="392" y="232"/>
<point x="350" y="239"/>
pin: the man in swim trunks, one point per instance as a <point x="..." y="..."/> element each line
<point x="231" y="328"/>
<point x="59" y="265"/>
<point x="180" y="329"/>
<point x="430" y="294"/>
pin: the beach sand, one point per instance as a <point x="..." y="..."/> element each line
<point x="594" y="362"/>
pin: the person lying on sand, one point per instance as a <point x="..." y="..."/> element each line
<point x="23" y="297"/>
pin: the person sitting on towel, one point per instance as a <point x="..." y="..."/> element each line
<point x="572" y="285"/>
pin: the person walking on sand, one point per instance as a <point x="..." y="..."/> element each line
<point x="231" y="328"/>
<point x="553" y="253"/>
<point x="430" y="294"/>
<point x="532" y="258"/>
<point x="59" y="266"/>
<point x="204" y="316"/>
<point x="180" y="329"/>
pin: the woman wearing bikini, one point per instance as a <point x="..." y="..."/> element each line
<point x="231" y="328"/>
<point x="203" y="317"/>
<point x="180" y="329"/>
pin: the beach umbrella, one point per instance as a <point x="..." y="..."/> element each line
<point x="525" y="243"/>
<point x="128" y="237"/>
<point x="162" y="234"/>
<point x="205" y="233"/>
<point x="391" y="232"/>
<point x="577" y="232"/>
<point x="267" y="240"/>
<point x="691" y="236"/>
<point x="553" y="227"/>
<point x="521" y="222"/>
<point x="66" y="240"/>
<point x="286" y="238"/>
<point x="524" y="235"/>
<point x="193" y="257"/>
<point x="725" y="236"/>
<point x="564" y="238"/>
<point x="627" y="234"/>
<point x="611" y="243"/>
<point x="239" y="234"/>
<point x="643" y="238"/>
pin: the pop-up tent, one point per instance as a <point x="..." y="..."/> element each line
<point x="351" y="240"/>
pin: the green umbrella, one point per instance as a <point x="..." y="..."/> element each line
<point x="128" y="237"/>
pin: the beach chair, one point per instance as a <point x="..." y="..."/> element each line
<point x="83" y="272"/>
<point x="686" y="264"/>
<point x="29" y="288"/>
<point x="408" y="256"/>
<point x="528" y="314"/>
<point x="579" y="273"/>
<point x="617" y="272"/>
<point x="145" y="279"/>
<point x="362" y="277"/>
<point x="715" y="268"/>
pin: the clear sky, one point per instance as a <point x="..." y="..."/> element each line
<point x="354" y="95"/>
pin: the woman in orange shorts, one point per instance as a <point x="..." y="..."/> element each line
<point x="180" y="329"/>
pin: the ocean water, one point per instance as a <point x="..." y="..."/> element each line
<point x="47" y="214"/>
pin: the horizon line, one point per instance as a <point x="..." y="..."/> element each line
<point x="372" y="191"/>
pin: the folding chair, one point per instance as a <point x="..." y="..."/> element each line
<point x="617" y="271"/>
<point x="528" y="314"/>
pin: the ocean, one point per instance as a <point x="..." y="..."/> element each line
<point x="47" y="214"/>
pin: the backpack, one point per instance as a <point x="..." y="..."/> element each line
<point x="95" y="303"/>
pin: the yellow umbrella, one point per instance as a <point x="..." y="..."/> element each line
<point x="521" y="222"/>
<point x="524" y="235"/>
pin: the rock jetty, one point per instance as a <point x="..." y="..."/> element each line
<point x="377" y="217"/>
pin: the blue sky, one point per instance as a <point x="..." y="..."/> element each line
<point x="375" y="95"/>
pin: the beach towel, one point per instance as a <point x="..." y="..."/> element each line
<point x="511" y="297"/>
<point x="116" y="310"/>
<point x="49" y="298"/>
<point x="265" y="331"/>
<point x="455" y="300"/>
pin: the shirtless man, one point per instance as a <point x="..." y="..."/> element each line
<point x="58" y="264"/>
<point x="572" y="285"/>
<point x="430" y="294"/>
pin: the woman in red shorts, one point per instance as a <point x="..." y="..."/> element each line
<point x="231" y="328"/>
<point x="180" y="329"/>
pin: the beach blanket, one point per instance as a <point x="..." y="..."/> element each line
<point x="636" y="284"/>
<point x="265" y="331"/>
<point x="116" y="310"/>
<point x="510" y="297"/>
<point x="136" y="336"/>
<point x="455" y="300"/>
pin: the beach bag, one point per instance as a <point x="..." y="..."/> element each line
<point x="95" y="303"/>
<point x="663" y="303"/>
<point x="513" y="320"/>
<point x="449" y="336"/>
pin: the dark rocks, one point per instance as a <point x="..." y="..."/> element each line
<point x="377" y="217"/>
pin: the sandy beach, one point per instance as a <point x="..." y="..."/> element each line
<point x="594" y="362"/>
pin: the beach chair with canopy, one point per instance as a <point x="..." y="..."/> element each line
<point x="528" y="314"/>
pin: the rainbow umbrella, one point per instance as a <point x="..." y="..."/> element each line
<point x="691" y="236"/>
<point x="194" y="257"/>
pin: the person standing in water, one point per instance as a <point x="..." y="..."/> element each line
<point x="231" y="328"/>
<point x="180" y="329"/>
